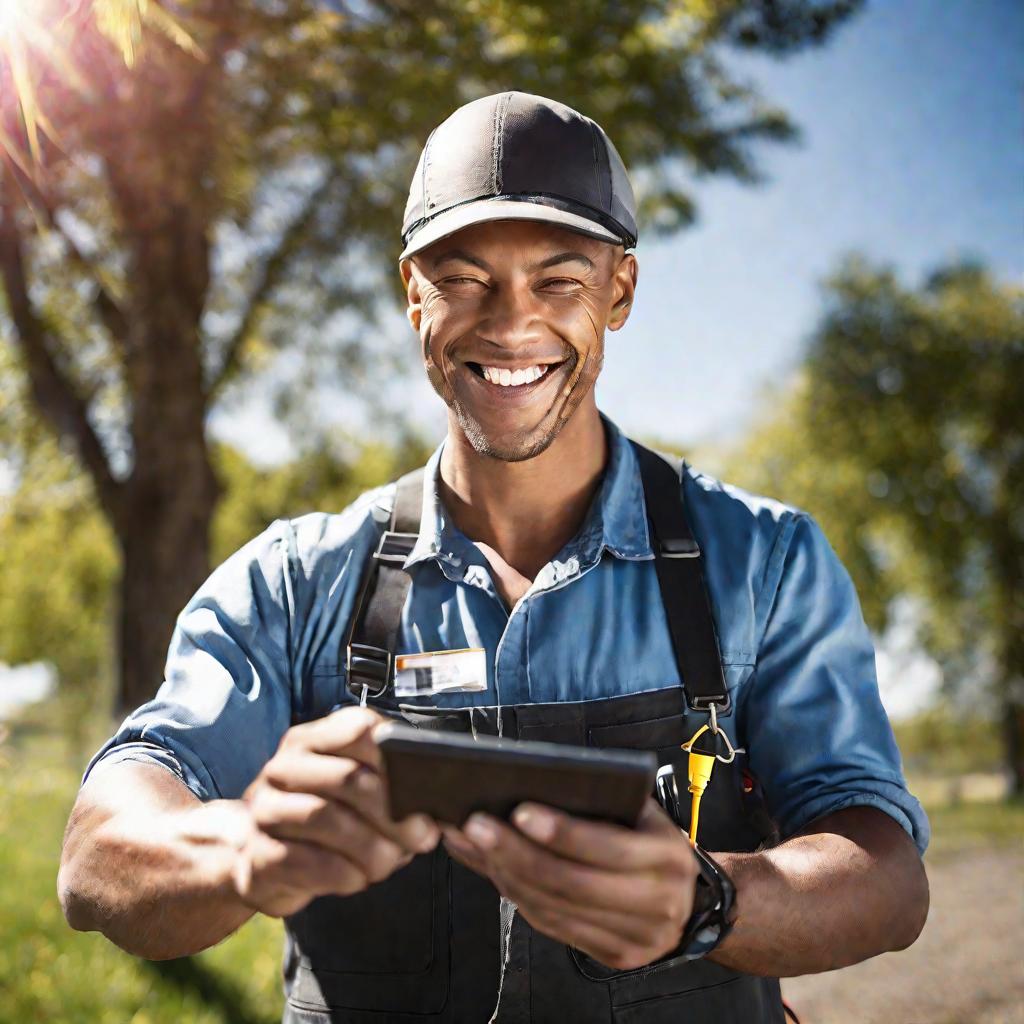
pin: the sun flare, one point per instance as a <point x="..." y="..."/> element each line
<point x="13" y="15"/>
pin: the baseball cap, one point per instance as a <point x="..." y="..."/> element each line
<point x="516" y="156"/>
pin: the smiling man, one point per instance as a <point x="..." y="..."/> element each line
<point x="591" y="592"/>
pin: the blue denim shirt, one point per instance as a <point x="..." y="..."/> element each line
<point x="262" y="643"/>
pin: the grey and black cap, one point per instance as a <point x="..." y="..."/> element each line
<point x="515" y="156"/>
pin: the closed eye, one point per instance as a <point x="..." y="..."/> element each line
<point x="461" y="280"/>
<point x="560" y="284"/>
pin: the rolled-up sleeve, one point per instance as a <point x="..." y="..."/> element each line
<point x="226" y="698"/>
<point x="818" y="736"/>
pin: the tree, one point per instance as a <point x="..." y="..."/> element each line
<point x="905" y="435"/>
<point x="235" y="188"/>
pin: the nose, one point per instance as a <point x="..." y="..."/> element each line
<point x="510" y="318"/>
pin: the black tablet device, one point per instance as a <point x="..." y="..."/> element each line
<point x="448" y="776"/>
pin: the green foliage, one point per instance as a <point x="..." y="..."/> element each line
<point x="925" y="389"/>
<point x="321" y="480"/>
<point x="943" y="741"/>
<point x="60" y="570"/>
<point x="59" y="567"/>
<point x="904" y="435"/>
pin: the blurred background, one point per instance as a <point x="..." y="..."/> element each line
<point x="201" y="330"/>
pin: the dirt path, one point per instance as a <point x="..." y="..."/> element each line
<point x="966" y="968"/>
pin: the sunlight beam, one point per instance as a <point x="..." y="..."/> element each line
<point x="13" y="16"/>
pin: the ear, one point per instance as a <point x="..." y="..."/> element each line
<point x="413" y="307"/>
<point x="624" y="280"/>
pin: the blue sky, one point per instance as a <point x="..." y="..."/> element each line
<point x="912" y="153"/>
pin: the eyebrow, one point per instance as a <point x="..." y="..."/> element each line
<point x="460" y="255"/>
<point x="565" y="257"/>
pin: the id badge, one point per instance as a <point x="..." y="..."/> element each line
<point x="419" y="675"/>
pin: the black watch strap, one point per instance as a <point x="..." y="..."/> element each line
<point x="713" y="901"/>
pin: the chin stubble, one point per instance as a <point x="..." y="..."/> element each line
<point x="520" y="449"/>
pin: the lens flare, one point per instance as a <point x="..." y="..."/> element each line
<point x="13" y="15"/>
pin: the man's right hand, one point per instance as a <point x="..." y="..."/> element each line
<point x="318" y="821"/>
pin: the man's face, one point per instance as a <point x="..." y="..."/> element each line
<point x="511" y="316"/>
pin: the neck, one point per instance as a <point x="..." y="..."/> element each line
<point x="526" y="511"/>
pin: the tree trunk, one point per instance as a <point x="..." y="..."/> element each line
<point x="165" y="557"/>
<point x="1008" y="572"/>
<point x="1011" y="689"/>
<point x="171" y="494"/>
<point x="1013" y="736"/>
<point x="165" y="207"/>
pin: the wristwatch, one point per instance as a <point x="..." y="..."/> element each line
<point x="713" y="900"/>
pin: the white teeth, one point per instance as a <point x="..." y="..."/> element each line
<point x="512" y="378"/>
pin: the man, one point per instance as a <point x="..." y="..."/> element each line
<point x="609" y="598"/>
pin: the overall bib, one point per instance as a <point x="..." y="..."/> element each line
<point x="435" y="942"/>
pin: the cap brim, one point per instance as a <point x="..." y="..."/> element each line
<point x="483" y="210"/>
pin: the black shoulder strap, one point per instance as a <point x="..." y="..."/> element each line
<point x="678" y="562"/>
<point x="374" y="633"/>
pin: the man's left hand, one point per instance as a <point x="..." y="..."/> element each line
<point x="620" y="895"/>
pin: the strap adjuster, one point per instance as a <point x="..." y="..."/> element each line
<point x="713" y="703"/>
<point x="679" y="547"/>
<point x="368" y="666"/>
<point x="395" y="548"/>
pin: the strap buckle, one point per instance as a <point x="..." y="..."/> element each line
<point x="395" y="548"/>
<point x="369" y="669"/>
<point x="679" y="547"/>
<point x="712" y="705"/>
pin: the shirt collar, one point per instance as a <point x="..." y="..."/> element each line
<point x="616" y="521"/>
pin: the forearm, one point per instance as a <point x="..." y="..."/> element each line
<point x="154" y="874"/>
<point x="849" y="888"/>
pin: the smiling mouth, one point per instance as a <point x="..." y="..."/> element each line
<point x="504" y="377"/>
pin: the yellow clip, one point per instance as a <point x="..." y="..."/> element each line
<point x="698" y="771"/>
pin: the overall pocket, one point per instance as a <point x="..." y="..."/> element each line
<point x="385" y="949"/>
<point x="694" y="991"/>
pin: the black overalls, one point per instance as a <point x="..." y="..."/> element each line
<point x="434" y="942"/>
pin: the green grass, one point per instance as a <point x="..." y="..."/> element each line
<point x="964" y="826"/>
<point x="50" y="973"/>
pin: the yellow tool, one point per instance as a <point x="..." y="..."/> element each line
<point x="698" y="771"/>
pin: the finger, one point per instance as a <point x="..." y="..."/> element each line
<point x="347" y="731"/>
<point x="302" y="771"/>
<point x="350" y="782"/>
<point x="464" y="852"/>
<point x="367" y="794"/>
<point x="309" y="818"/>
<point x="274" y="873"/>
<point x="666" y="927"/>
<point x="607" y="947"/>
<point x="508" y="852"/>
<point x="603" y="844"/>
<point x="654" y="819"/>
